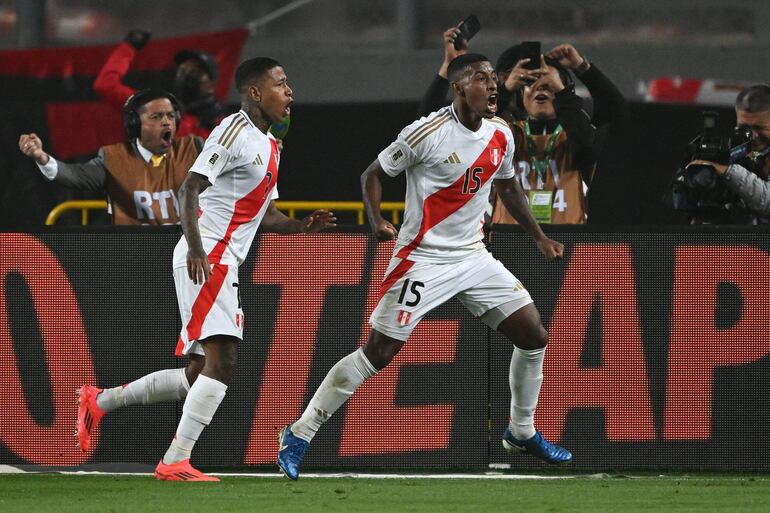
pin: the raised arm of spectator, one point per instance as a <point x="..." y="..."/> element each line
<point x="437" y="94"/>
<point x="109" y="82"/>
<point x="609" y="106"/>
<point x="91" y="175"/>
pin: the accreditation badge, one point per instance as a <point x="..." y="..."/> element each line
<point x="541" y="205"/>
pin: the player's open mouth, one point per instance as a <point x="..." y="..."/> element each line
<point x="167" y="136"/>
<point x="541" y="98"/>
<point x="492" y="102"/>
<point x="287" y="110"/>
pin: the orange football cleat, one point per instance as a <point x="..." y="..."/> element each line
<point x="181" y="471"/>
<point x="89" y="415"/>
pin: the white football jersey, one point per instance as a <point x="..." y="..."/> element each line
<point x="241" y="163"/>
<point x="449" y="173"/>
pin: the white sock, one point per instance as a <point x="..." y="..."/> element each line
<point x="202" y="402"/>
<point x="525" y="377"/>
<point x="165" y="385"/>
<point x="342" y="380"/>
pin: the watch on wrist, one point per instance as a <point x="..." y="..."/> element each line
<point x="584" y="66"/>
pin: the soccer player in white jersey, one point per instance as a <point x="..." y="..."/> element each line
<point x="450" y="158"/>
<point x="227" y="195"/>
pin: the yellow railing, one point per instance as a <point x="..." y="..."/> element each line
<point x="83" y="205"/>
<point x="292" y="207"/>
<point x="289" y="207"/>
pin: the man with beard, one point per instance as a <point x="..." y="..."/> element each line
<point x="141" y="175"/>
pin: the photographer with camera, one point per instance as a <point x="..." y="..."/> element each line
<point x="740" y="165"/>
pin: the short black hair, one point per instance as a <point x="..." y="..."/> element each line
<point x="253" y="69"/>
<point x="754" y="99"/>
<point x="458" y="65"/>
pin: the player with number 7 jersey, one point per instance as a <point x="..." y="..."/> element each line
<point x="451" y="158"/>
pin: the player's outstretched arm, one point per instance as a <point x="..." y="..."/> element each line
<point x="514" y="200"/>
<point x="277" y="222"/>
<point x="371" y="188"/>
<point x="198" y="268"/>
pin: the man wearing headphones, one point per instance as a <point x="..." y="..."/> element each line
<point x="141" y="175"/>
<point x="195" y="80"/>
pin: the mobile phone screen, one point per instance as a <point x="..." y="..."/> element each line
<point x="531" y="50"/>
<point x="468" y="28"/>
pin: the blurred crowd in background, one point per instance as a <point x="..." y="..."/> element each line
<point x="359" y="69"/>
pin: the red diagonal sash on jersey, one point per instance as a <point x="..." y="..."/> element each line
<point x="245" y="210"/>
<point x="443" y="203"/>
<point x="395" y="275"/>
<point x="249" y="206"/>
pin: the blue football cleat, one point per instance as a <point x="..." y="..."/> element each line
<point x="537" y="446"/>
<point x="291" y="450"/>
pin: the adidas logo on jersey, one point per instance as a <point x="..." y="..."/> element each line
<point x="452" y="159"/>
<point x="258" y="160"/>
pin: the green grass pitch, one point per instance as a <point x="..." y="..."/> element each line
<point x="82" y="494"/>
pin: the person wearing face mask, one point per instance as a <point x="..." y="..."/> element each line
<point x="194" y="84"/>
<point x="142" y="175"/>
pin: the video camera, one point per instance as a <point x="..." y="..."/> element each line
<point x="697" y="189"/>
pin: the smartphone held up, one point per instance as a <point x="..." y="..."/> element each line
<point x="469" y="27"/>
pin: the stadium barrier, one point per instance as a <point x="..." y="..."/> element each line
<point x="658" y="352"/>
<point x="290" y="208"/>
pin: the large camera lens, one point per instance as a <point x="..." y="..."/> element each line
<point x="699" y="176"/>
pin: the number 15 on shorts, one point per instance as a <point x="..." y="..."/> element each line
<point x="413" y="291"/>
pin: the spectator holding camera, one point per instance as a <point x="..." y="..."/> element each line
<point x="752" y="186"/>
<point x="194" y="84"/>
<point x="142" y="175"/>
<point x="557" y="141"/>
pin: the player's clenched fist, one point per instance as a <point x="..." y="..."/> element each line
<point x="550" y="248"/>
<point x="385" y="231"/>
<point x="31" y="146"/>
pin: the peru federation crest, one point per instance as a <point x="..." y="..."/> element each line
<point x="495" y="155"/>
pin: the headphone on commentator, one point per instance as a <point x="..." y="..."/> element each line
<point x="132" y="124"/>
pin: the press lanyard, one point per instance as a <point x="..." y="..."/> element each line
<point x="540" y="166"/>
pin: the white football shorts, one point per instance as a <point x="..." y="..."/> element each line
<point x="412" y="289"/>
<point x="212" y="308"/>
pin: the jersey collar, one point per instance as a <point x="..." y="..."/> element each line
<point x="478" y="134"/>
<point x="248" y="119"/>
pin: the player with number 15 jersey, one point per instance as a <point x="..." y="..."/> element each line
<point x="450" y="159"/>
